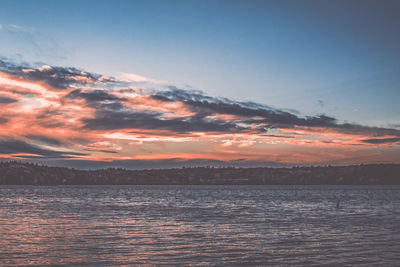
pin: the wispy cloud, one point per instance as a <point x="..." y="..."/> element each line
<point x="131" y="77"/>
<point x="31" y="40"/>
<point x="27" y="150"/>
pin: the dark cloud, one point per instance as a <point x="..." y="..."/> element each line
<point x="48" y="113"/>
<point x="3" y="120"/>
<point x="254" y="113"/>
<point x="210" y="106"/>
<point x="98" y="99"/>
<point x="111" y="114"/>
<point x="377" y="141"/>
<point x="110" y="120"/>
<point x="394" y="125"/>
<point x="49" y="118"/>
<point x="94" y="96"/>
<point x="12" y="146"/>
<point x="7" y="100"/>
<point x="56" y="77"/>
<point x="51" y="124"/>
<point x="365" y="130"/>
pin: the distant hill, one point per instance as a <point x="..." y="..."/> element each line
<point x="16" y="173"/>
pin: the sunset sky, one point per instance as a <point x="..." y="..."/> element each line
<point x="150" y="84"/>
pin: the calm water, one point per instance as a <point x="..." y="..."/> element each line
<point x="199" y="225"/>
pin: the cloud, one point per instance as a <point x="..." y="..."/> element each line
<point x="56" y="77"/>
<point x="17" y="29"/>
<point x="45" y="140"/>
<point x="130" y="77"/>
<point x="112" y="120"/>
<point x="382" y="140"/>
<point x="206" y="105"/>
<point x="3" y="120"/>
<point x="258" y="113"/>
<point x="29" y="40"/>
<point x="7" y="100"/>
<point x="365" y="130"/>
<point x="20" y="147"/>
<point x="94" y="96"/>
<point x="49" y="110"/>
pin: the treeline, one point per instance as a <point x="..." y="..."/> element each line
<point x="17" y="173"/>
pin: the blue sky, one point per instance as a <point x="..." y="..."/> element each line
<point x="338" y="58"/>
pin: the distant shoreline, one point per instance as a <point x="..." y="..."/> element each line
<point x="16" y="173"/>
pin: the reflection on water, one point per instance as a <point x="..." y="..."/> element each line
<point x="199" y="225"/>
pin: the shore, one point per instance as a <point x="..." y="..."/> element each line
<point x="16" y="173"/>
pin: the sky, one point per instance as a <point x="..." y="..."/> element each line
<point x="149" y="84"/>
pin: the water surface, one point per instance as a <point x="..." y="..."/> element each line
<point x="199" y="225"/>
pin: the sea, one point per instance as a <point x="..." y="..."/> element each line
<point x="200" y="225"/>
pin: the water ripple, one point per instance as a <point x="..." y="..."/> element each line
<point x="199" y="225"/>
